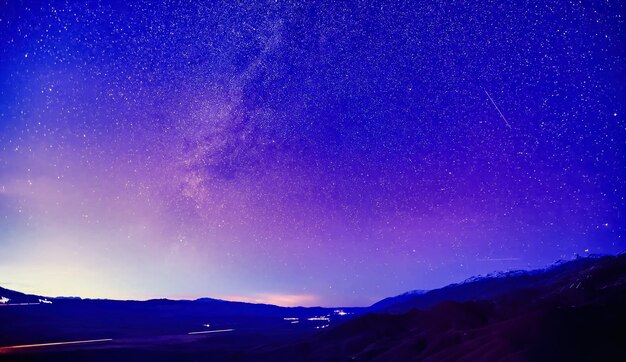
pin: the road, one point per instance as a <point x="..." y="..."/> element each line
<point x="10" y="349"/>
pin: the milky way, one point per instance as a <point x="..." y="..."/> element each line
<point x="314" y="153"/>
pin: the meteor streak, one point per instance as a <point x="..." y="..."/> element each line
<point x="498" y="109"/>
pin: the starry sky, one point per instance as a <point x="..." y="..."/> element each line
<point x="305" y="153"/>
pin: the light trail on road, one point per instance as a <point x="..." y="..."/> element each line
<point x="9" y="348"/>
<point x="213" y="331"/>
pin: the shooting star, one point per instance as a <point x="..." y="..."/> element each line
<point x="498" y="109"/>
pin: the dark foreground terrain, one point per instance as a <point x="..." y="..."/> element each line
<point x="574" y="311"/>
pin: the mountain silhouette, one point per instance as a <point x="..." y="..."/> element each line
<point x="571" y="311"/>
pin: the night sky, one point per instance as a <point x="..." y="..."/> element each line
<point x="318" y="153"/>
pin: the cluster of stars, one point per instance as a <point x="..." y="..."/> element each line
<point x="283" y="147"/>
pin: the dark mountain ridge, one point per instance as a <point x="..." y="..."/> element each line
<point x="481" y="287"/>
<point x="573" y="311"/>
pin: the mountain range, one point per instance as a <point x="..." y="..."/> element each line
<point x="570" y="311"/>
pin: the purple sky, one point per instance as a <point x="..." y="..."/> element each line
<point x="305" y="154"/>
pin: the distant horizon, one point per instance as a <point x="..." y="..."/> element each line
<point x="244" y="299"/>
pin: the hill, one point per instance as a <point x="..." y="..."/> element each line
<point x="573" y="312"/>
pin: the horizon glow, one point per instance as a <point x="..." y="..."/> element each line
<point x="305" y="154"/>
